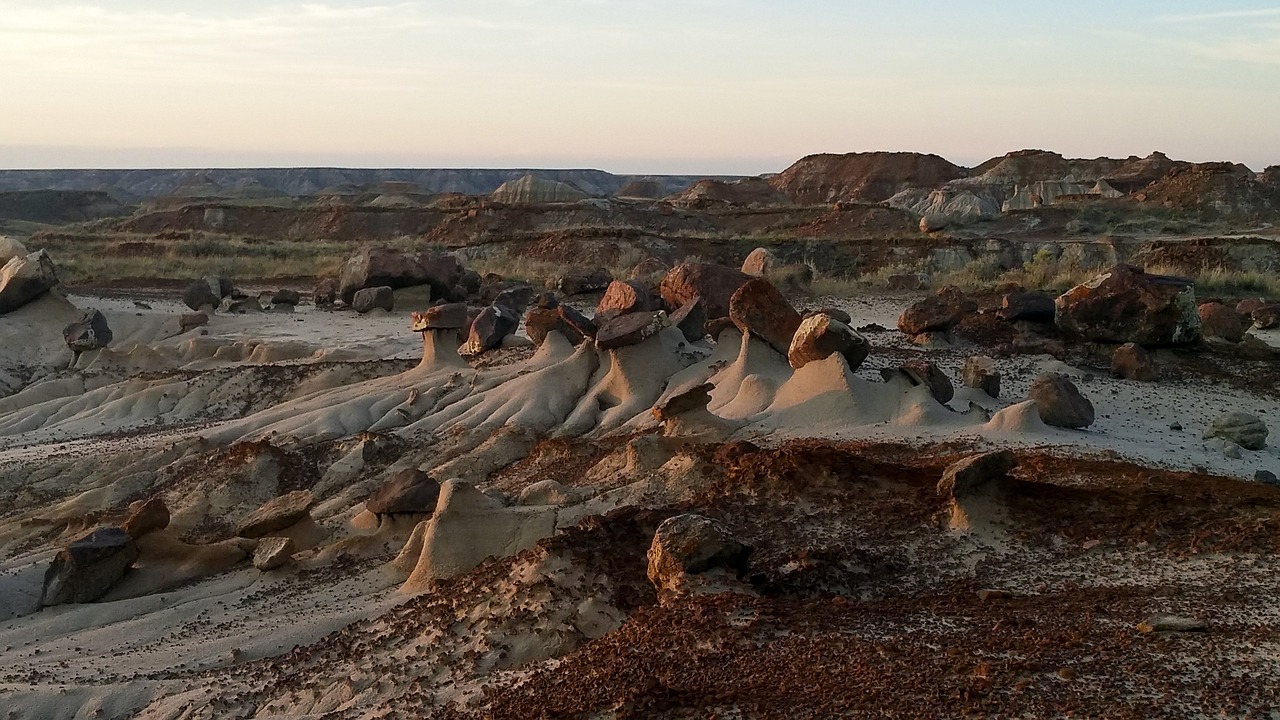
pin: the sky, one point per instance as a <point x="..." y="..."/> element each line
<point x="630" y="86"/>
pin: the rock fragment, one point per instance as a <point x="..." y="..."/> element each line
<point x="1244" y="429"/>
<point x="1060" y="402"/>
<point x="979" y="372"/>
<point x="87" y="569"/>
<point x="277" y="514"/>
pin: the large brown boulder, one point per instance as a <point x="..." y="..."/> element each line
<point x="277" y="514"/>
<point x="759" y="309"/>
<point x="369" y="299"/>
<point x="1219" y="321"/>
<point x="24" y="279"/>
<point x="89" y="332"/>
<point x="325" y="293"/>
<point x="1060" y="402"/>
<point x="489" y="328"/>
<point x="759" y="263"/>
<point x="86" y="570"/>
<point x="691" y="544"/>
<point x="1029" y="306"/>
<point x="1126" y="304"/>
<point x="1267" y="317"/>
<point x="623" y="297"/>
<point x="820" y="336"/>
<point x="199" y="295"/>
<point x="715" y="284"/>
<point x="938" y="313"/>
<point x="1132" y="362"/>
<point x="976" y="474"/>
<point x="382" y="266"/>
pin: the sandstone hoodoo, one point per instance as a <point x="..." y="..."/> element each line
<point x="87" y="569"/>
<point x="367" y="300"/>
<point x="691" y="544"/>
<point x="1060" y="402"/>
<point x="820" y="336"/>
<point x="24" y="279"/>
<point x="1126" y="304"/>
<point x="90" y="332"/>
<point x="714" y="284"/>
<point x="759" y="309"/>
<point x="938" y="313"/>
<point x="1132" y="362"/>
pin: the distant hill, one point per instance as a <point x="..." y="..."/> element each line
<point x="135" y="185"/>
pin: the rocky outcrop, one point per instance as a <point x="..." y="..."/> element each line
<point x="690" y="544"/>
<point x="819" y="336"/>
<point x="369" y="299"/>
<point x="1267" y="317"/>
<point x="277" y="514"/>
<point x="1060" y="402"/>
<point x="1126" y="304"/>
<point x="757" y="308"/>
<point x="89" y="332"/>
<point x="24" y="279"/>
<point x="748" y="192"/>
<point x="408" y="491"/>
<point x="714" y="284"/>
<point x="1243" y="429"/>
<point x="87" y="569"/>
<point x="975" y="474"/>
<point x="862" y="177"/>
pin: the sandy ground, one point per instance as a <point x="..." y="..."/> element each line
<point x="346" y="630"/>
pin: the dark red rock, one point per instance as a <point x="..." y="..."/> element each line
<point x="691" y="319"/>
<point x="1029" y="306"/>
<point x="1127" y="305"/>
<point x="87" y="569"/>
<point x="1132" y="362"/>
<point x="758" y="308"/>
<point x="89" y="332"/>
<point x="715" y="284"/>
<point x="940" y="312"/>
<point x="445" y="316"/>
<point x="489" y="328"/>
<point x="1267" y="317"/>
<point x="623" y="297"/>
<point x="1219" y="321"/>
<point x="976" y="474"/>
<point x="630" y="329"/>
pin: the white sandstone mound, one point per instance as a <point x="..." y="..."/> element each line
<point x="469" y="526"/>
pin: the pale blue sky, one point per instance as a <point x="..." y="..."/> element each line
<point x="697" y="86"/>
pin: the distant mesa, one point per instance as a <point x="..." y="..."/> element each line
<point x="750" y="192"/>
<point x="862" y="177"/>
<point x="532" y="189"/>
